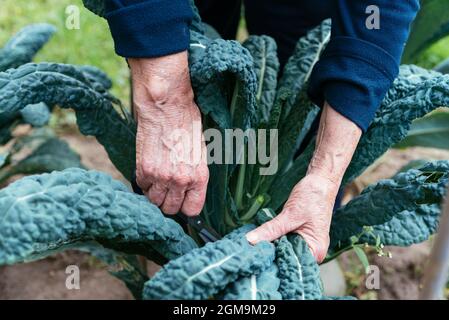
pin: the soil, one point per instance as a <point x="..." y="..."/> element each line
<point x="400" y="276"/>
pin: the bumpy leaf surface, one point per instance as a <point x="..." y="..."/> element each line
<point x="415" y="93"/>
<point x="206" y="271"/>
<point x="263" y="286"/>
<point x="298" y="271"/>
<point x="24" y="45"/>
<point x="96" y="77"/>
<point x="256" y="287"/>
<point x="44" y="213"/>
<point x="36" y="115"/>
<point x="52" y="155"/>
<point x="68" y="87"/>
<point x="403" y="210"/>
<point x="299" y="67"/>
<point x="263" y="49"/>
<point x="211" y="65"/>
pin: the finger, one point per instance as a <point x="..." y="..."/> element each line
<point x="173" y="200"/>
<point x="272" y="230"/>
<point x="157" y="194"/>
<point x="194" y="201"/>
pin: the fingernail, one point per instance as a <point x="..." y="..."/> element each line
<point x="252" y="237"/>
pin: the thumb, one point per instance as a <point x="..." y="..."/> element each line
<point x="271" y="230"/>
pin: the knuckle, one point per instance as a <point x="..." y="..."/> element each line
<point x="147" y="170"/>
<point x="183" y="180"/>
<point x="163" y="177"/>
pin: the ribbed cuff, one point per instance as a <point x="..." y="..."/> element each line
<point x="353" y="76"/>
<point x="151" y="28"/>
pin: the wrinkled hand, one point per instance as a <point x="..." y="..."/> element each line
<point x="308" y="212"/>
<point x="171" y="166"/>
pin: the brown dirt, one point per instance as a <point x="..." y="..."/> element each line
<point x="45" y="279"/>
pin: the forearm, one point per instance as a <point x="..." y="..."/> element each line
<point x="336" y="142"/>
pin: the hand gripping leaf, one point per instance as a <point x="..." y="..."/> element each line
<point x="69" y="87"/>
<point x="24" y="45"/>
<point x="42" y="214"/>
<point x="402" y="210"/>
<point x="206" y="271"/>
<point x="414" y="93"/>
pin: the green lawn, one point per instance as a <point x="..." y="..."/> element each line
<point x="437" y="53"/>
<point x="91" y="44"/>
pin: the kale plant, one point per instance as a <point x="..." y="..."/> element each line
<point x="236" y="86"/>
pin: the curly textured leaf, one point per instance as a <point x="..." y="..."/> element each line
<point x="52" y="155"/>
<point x="263" y="49"/>
<point x="299" y="67"/>
<point x="415" y="93"/>
<point x="196" y="25"/>
<point x="263" y="286"/>
<point x="255" y="287"/>
<point x="36" y="115"/>
<point x="96" y="77"/>
<point x="24" y="45"/>
<point x="223" y="79"/>
<point x="402" y="210"/>
<point x="206" y="271"/>
<point x="45" y="213"/>
<point x="298" y="271"/>
<point x="68" y="87"/>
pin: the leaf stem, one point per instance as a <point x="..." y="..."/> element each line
<point x="235" y="95"/>
<point x="255" y="207"/>
<point x="240" y="183"/>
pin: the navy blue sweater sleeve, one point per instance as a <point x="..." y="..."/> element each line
<point x="359" y="65"/>
<point x="149" y="28"/>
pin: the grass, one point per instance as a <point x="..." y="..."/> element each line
<point x="435" y="54"/>
<point x="90" y="45"/>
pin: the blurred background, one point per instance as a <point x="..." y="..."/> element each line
<point x="92" y="45"/>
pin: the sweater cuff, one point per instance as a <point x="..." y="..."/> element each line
<point x="151" y="29"/>
<point x="353" y="76"/>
